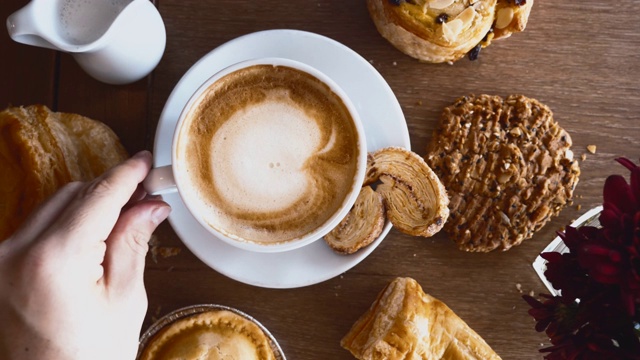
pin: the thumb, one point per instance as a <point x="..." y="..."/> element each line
<point x="128" y="244"/>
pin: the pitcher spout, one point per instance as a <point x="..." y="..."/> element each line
<point x="72" y="26"/>
<point x="24" y="27"/>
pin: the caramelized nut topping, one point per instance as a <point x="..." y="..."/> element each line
<point x="504" y="17"/>
<point x="440" y="4"/>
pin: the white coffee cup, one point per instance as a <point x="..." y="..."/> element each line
<point x="189" y="183"/>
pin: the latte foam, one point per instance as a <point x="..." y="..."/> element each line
<point x="269" y="152"/>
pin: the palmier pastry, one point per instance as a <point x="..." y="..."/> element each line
<point x="406" y="323"/>
<point x="407" y="193"/>
<point x="507" y="166"/>
<point x="415" y="199"/>
<point x="362" y="225"/>
<point x="41" y="150"/>
<point x="445" y="30"/>
<point x="215" y="334"/>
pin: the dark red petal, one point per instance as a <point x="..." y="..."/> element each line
<point x="604" y="278"/>
<point x="618" y="193"/>
<point x="572" y="238"/>
<point x="551" y="256"/>
<point x="592" y="249"/>
<point x="608" y="270"/>
<point x="610" y="217"/>
<point x="533" y="302"/>
<point x="627" y="163"/>
<point x="538" y="313"/>
<point x="635" y="185"/>
<point x="541" y="325"/>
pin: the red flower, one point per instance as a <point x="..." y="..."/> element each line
<point x="614" y="257"/>
<point x="597" y="315"/>
<point x="554" y="315"/>
<point x="564" y="272"/>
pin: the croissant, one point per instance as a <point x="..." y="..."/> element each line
<point x="406" y="323"/>
<point x="41" y="150"/>
<point x="439" y="31"/>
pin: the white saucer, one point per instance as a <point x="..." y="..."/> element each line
<point x="384" y="126"/>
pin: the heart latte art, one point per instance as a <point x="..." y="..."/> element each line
<point x="270" y="153"/>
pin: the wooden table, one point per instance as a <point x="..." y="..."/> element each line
<point x="580" y="58"/>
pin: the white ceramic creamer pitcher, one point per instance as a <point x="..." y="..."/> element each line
<point x="115" y="41"/>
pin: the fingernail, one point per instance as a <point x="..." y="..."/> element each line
<point x="142" y="154"/>
<point x="160" y="213"/>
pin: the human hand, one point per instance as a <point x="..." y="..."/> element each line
<point x="71" y="278"/>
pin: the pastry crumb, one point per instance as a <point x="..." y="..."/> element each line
<point x="519" y="287"/>
<point x="591" y="149"/>
<point x="156" y="315"/>
<point x="164" y="252"/>
<point x="583" y="157"/>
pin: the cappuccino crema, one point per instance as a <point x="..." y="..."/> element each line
<point x="269" y="153"/>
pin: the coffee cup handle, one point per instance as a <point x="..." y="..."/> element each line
<point x="160" y="181"/>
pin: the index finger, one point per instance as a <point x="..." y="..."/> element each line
<point x="95" y="210"/>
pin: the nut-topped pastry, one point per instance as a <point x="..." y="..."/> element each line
<point x="507" y="166"/>
<point x="214" y="334"/>
<point x="445" y="30"/>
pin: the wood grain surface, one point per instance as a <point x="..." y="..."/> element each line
<point x="581" y="58"/>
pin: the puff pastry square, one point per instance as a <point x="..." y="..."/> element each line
<point x="406" y="323"/>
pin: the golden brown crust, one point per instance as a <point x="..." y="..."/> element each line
<point x="405" y="323"/>
<point x="41" y="150"/>
<point x="94" y="144"/>
<point x="362" y="225"/>
<point x="510" y="18"/>
<point x="507" y="166"/>
<point x="439" y="31"/>
<point x="415" y="199"/>
<point x="216" y="334"/>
